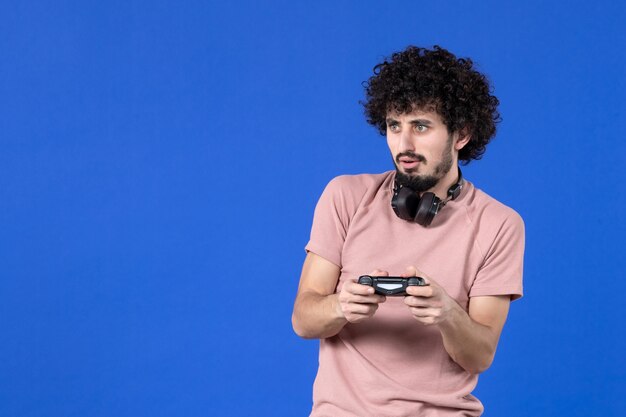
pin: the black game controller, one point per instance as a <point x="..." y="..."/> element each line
<point x="393" y="286"/>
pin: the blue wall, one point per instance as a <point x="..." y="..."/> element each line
<point x="159" y="166"/>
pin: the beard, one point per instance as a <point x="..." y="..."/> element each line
<point x="420" y="183"/>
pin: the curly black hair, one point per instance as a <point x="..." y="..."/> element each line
<point x="434" y="79"/>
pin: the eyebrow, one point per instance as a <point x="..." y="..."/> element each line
<point x="414" y="122"/>
<point x="425" y="122"/>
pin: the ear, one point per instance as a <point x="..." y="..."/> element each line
<point x="462" y="139"/>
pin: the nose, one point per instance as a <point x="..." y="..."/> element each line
<point x="406" y="141"/>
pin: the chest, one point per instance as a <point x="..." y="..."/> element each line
<point x="445" y="251"/>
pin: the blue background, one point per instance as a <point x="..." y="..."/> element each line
<point x="159" y="166"/>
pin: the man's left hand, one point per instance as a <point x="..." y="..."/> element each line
<point x="428" y="304"/>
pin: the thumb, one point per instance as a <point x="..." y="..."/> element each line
<point x="410" y="271"/>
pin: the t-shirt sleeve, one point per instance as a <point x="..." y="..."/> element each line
<point x="502" y="269"/>
<point x="332" y="217"/>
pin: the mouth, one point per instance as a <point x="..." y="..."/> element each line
<point x="408" y="164"/>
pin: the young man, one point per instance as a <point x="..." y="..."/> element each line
<point x="418" y="354"/>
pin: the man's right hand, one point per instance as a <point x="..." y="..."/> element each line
<point x="359" y="302"/>
<point x="319" y="311"/>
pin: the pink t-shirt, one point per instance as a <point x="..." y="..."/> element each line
<point x="391" y="365"/>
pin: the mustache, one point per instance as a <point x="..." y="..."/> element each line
<point x="412" y="155"/>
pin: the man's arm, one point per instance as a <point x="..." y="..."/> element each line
<point x="318" y="311"/>
<point x="470" y="338"/>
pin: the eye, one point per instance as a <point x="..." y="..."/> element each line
<point x="421" y="128"/>
<point x="394" y="127"/>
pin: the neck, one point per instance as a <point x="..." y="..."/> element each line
<point x="442" y="187"/>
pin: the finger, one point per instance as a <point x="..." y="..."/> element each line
<point x="364" y="294"/>
<point x="418" y="302"/>
<point x="366" y="299"/>
<point x="425" y="312"/>
<point x="356" y="288"/>
<point x="421" y="291"/>
<point x="367" y="309"/>
<point x="379" y="273"/>
<point x="378" y="299"/>
<point x="428" y="280"/>
<point x="410" y="271"/>
<point x="365" y="291"/>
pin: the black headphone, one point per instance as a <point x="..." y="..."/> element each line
<point x="408" y="205"/>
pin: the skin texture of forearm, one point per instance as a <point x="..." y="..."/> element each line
<point x="317" y="316"/>
<point x="470" y="344"/>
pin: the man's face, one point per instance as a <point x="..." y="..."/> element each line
<point x="422" y="148"/>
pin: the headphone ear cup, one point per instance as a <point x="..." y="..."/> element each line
<point x="427" y="208"/>
<point x="404" y="203"/>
